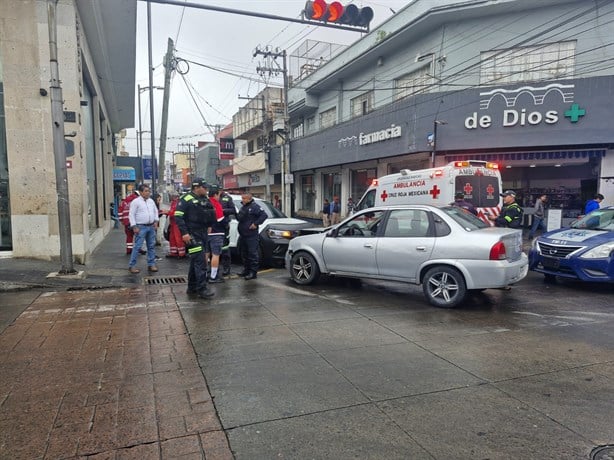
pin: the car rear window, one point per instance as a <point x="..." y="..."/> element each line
<point x="464" y="218"/>
<point x="270" y="210"/>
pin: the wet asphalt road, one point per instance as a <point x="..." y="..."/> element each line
<point x="336" y="371"/>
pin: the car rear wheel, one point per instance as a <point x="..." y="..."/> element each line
<point x="304" y="268"/>
<point x="444" y="287"/>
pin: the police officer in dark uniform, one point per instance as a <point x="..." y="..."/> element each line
<point x="229" y="209"/>
<point x="194" y="214"/>
<point x="511" y="214"/>
<point x="250" y="216"/>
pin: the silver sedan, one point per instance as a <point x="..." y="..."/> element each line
<point x="448" y="250"/>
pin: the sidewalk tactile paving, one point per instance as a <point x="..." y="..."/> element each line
<point x="105" y="374"/>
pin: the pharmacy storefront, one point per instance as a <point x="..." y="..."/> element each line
<point x="550" y="137"/>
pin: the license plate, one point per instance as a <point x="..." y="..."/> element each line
<point x="551" y="263"/>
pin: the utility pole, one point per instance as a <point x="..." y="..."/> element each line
<point x="152" y="143"/>
<point x="272" y="68"/>
<point x="168" y="60"/>
<point x="59" y="148"/>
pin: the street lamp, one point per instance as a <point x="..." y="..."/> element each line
<point x="433" y="140"/>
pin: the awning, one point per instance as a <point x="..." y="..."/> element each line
<point x="512" y="156"/>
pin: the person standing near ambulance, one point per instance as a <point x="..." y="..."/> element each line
<point x="194" y="215"/>
<point x="511" y="214"/>
<point x="124" y="218"/>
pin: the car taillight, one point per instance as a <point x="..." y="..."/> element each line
<point x="497" y="252"/>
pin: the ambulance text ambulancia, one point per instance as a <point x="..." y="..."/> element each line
<point x="479" y="181"/>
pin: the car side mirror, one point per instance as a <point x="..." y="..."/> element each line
<point x="333" y="233"/>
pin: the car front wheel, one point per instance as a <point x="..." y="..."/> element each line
<point x="444" y="287"/>
<point x="304" y="268"/>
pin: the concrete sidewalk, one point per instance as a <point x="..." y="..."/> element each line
<point x="107" y="267"/>
<point x="106" y="373"/>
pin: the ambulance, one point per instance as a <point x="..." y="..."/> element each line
<point x="479" y="181"/>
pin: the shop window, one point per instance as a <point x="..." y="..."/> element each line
<point x="331" y="186"/>
<point x="328" y="118"/>
<point x="361" y="105"/>
<point x="413" y="83"/>
<point x="361" y="179"/>
<point x="308" y="193"/>
<point x="530" y="63"/>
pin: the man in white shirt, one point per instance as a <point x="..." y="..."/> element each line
<point x="144" y="219"/>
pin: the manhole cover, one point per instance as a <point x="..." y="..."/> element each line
<point x="603" y="453"/>
<point x="164" y="280"/>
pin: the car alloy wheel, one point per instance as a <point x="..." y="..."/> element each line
<point x="304" y="268"/>
<point x="444" y="286"/>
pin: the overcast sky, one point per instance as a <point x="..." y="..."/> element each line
<point x="226" y="42"/>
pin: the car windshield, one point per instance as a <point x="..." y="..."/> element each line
<point x="464" y="218"/>
<point x="600" y="219"/>
<point x="271" y="211"/>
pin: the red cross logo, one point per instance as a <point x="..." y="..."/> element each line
<point x="384" y="195"/>
<point x="435" y="191"/>
<point x="468" y="188"/>
<point x="490" y="190"/>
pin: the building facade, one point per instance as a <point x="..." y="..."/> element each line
<point x="526" y="84"/>
<point x="257" y="160"/>
<point x="96" y="44"/>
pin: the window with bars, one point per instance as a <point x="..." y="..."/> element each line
<point x="413" y="83"/>
<point x="361" y="105"/>
<point x="531" y="63"/>
<point x="328" y="118"/>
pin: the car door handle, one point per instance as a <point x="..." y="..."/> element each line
<point x="368" y="245"/>
<point x="420" y="248"/>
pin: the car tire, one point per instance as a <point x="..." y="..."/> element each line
<point x="304" y="268"/>
<point x="444" y="287"/>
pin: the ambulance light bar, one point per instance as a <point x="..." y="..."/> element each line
<point x="466" y="164"/>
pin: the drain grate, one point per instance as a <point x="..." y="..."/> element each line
<point x="603" y="452"/>
<point x="159" y="280"/>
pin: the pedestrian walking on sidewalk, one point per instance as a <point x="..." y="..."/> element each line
<point x="250" y="217"/>
<point x="194" y="215"/>
<point x="335" y="211"/>
<point x="143" y="216"/>
<point x="538" y="216"/>
<point x="326" y="213"/>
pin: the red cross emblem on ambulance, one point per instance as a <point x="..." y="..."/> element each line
<point x="468" y="188"/>
<point x="384" y="195"/>
<point x="435" y="191"/>
<point x="490" y="190"/>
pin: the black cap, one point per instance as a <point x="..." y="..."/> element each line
<point x="213" y="189"/>
<point x="459" y="196"/>
<point x="508" y="193"/>
<point x="199" y="182"/>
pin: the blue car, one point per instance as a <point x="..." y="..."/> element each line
<point x="585" y="251"/>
